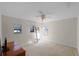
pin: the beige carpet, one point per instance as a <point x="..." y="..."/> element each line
<point x="49" y="49"/>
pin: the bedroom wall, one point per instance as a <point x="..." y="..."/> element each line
<point x="23" y="37"/>
<point x="63" y="32"/>
<point x="0" y="27"/>
<point x="78" y="35"/>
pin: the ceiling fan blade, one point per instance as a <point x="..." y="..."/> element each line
<point x="44" y="16"/>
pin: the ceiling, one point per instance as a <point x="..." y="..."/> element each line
<point x="29" y="10"/>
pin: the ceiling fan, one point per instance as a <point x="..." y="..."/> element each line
<point x="43" y="16"/>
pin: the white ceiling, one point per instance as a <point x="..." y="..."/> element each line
<point x="29" y="10"/>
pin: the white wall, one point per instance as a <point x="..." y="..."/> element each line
<point x="7" y="28"/>
<point x="63" y="32"/>
<point x="0" y="27"/>
<point x="78" y="35"/>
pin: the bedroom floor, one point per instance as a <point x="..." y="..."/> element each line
<point x="49" y="49"/>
